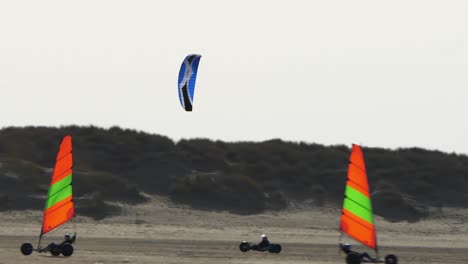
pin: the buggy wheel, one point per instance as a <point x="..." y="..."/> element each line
<point x="353" y="258"/>
<point x="26" y="249"/>
<point x="391" y="259"/>
<point x="244" y="247"/>
<point x="54" y="250"/>
<point x="67" y="250"/>
<point x="274" y="248"/>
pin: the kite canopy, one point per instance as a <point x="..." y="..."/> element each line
<point x="357" y="218"/>
<point x="187" y="79"/>
<point x="59" y="206"/>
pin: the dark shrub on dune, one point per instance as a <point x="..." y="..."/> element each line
<point x="96" y="207"/>
<point x="392" y="205"/>
<point x="238" y="194"/>
<point x="240" y="177"/>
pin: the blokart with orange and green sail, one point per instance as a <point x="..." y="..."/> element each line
<point x="357" y="218"/>
<point x="59" y="207"/>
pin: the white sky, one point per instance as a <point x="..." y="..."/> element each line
<point x="378" y="73"/>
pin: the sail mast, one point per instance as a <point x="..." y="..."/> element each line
<point x="39" y="242"/>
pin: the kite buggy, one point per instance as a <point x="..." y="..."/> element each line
<point x="59" y="207"/>
<point x="264" y="245"/>
<point x="65" y="248"/>
<point x="353" y="257"/>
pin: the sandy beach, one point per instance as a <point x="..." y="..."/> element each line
<point x="162" y="232"/>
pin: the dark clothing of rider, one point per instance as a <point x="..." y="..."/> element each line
<point x="264" y="243"/>
<point x="365" y="256"/>
<point x="347" y="250"/>
<point x="68" y="240"/>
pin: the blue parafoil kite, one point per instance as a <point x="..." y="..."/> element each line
<point x="187" y="78"/>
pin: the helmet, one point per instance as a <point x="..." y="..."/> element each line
<point x="346" y="246"/>
<point x="264" y="237"/>
<point x="67" y="236"/>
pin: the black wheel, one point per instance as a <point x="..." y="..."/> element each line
<point x="391" y="259"/>
<point x="26" y="249"/>
<point x="353" y="258"/>
<point x="67" y="250"/>
<point x="244" y="247"/>
<point x="55" y="251"/>
<point x="274" y="248"/>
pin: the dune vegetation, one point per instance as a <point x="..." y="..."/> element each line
<point x="121" y="165"/>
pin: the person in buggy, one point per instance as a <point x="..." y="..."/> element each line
<point x="264" y="243"/>
<point x="67" y="240"/>
<point x="364" y="256"/>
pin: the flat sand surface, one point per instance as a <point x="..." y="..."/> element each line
<point x="160" y="232"/>
<point x="107" y="250"/>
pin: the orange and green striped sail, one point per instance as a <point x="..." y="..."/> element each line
<point x="357" y="219"/>
<point x="59" y="206"/>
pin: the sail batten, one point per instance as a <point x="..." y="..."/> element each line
<point x="357" y="218"/>
<point x="59" y="207"/>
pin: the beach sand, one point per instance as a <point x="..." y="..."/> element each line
<point x="162" y="232"/>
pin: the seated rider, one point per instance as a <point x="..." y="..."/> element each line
<point x="69" y="239"/>
<point x="347" y="250"/>
<point x="264" y="243"/>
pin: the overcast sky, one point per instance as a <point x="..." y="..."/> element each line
<point x="377" y="73"/>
